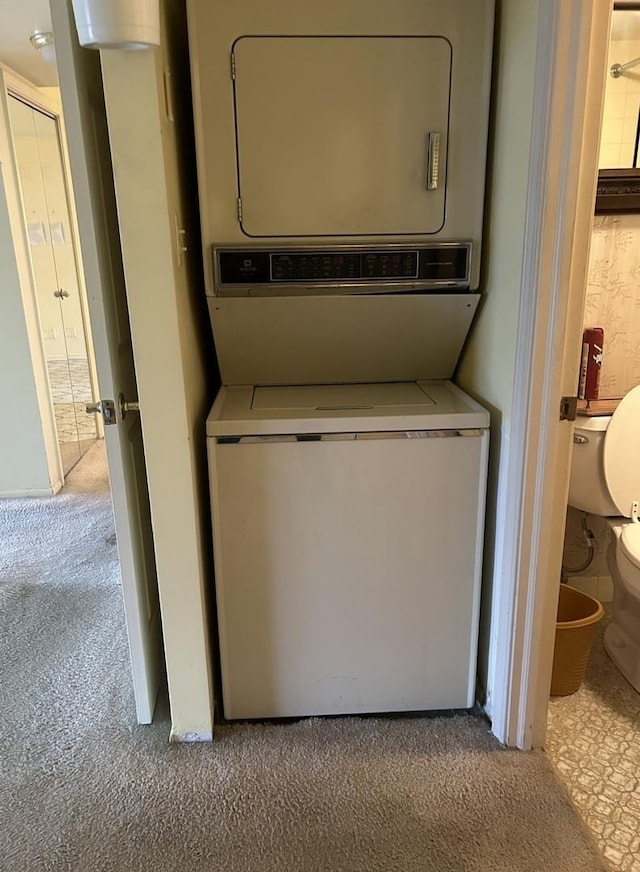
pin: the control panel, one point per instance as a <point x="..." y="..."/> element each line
<point x="346" y="269"/>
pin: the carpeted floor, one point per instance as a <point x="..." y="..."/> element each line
<point x="83" y="788"/>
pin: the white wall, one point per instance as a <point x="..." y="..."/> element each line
<point x="156" y="199"/>
<point x="487" y="366"/>
<point x="29" y="459"/>
<point x="23" y="460"/>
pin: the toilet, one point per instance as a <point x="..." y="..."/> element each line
<point x="605" y="481"/>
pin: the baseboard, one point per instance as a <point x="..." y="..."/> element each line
<point x="38" y="492"/>
<point x="186" y="738"/>
<point x="598" y="586"/>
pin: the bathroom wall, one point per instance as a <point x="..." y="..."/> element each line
<point x="613" y="303"/>
<point x="622" y="96"/>
<point x="595" y="580"/>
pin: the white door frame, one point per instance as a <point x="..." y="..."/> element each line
<point x="572" y="40"/>
<point x="13" y="84"/>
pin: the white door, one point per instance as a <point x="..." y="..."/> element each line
<point x="91" y="171"/>
<point x="337" y="135"/>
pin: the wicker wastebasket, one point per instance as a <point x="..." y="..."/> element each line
<point x="578" y="616"/>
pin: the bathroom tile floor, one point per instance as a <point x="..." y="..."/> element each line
<point x="593" y="739"/>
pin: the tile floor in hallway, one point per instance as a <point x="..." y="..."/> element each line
<point x="593" y="740"/>
<point x="70" y="391"/>
<point x="69" y="379"/>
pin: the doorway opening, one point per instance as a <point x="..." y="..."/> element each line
<point x="593" y="735"/>
<point x="50" y="372"/>
<point x="63" y="323"/>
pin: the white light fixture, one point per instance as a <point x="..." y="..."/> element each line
<point x="119" y="24"/>
<point x="45" y="44"/>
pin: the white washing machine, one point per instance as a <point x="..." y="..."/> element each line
<point x="348" y="527"/>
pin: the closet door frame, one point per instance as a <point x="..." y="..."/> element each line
<point x="46" y="101"/>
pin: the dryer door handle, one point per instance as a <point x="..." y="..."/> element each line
<point x="433" y="160"/>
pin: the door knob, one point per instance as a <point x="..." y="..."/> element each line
<point x="61" y="294"/>
<point x="126" y="406"/>
<point x="106" y="408"/>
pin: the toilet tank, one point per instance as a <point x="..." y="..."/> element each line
<point x="588" y="489"/>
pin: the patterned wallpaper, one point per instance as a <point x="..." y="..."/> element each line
<point x="613" y="299"/>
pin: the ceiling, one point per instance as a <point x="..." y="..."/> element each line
<point x="19" y="20"/>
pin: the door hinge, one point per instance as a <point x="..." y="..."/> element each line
<point x="239" y="204"/>
<point x="168" y="100"/>
<point x="568" y="408"/>
<point x="106" y="408"/>
<point x="233" y="66"/>
<point x="180" y="233"/>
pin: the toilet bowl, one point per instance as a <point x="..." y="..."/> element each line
<point x="605" y="481"/>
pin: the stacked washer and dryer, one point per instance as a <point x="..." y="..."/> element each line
<point x="341" y="163"/>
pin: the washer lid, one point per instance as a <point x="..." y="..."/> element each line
<point x="356" y="408"/>
<point x="630" y="543"/>
<point x="621" y="461"/>
<point x="340" y="397"/>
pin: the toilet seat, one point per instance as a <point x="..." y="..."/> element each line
<point x="620" y="458"/>
<point x="630" y="543"/>
<point x="628" y="560"/>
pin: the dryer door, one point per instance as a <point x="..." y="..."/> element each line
<point x="340" y="136"/>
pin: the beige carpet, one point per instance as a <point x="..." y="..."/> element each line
<point x="83" y="788"/>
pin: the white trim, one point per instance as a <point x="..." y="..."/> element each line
<point x="570" y="67"/>
<point x="77" y="252"/>
<point x="38" y="492"/>
<point x="505" y="670"/>
<point x="178" y="738"/>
